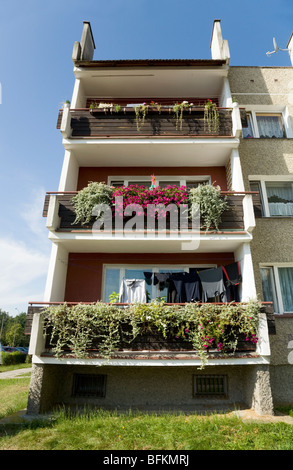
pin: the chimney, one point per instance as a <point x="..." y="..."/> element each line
<point x="84" y="50"/>
<point x="219" y="46"/>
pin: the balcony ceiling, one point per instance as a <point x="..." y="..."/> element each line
<point x="156" y="152"/>
<point x="90" y="243"/>
<point x="150" y="82"/>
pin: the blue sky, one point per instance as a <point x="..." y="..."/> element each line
<point x="36" y="76"/>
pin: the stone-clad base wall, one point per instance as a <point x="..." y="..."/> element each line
<point x="151" y="388"/>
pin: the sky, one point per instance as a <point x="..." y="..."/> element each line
<point x="36" y="77"/>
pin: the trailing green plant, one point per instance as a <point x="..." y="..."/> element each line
<point x="140" y="114"/>
<point x="212" y="204"/>
<point x="104" y="327"/>
<point x="87" y="198"/>
<point x="114" y="297"/>
<point x="105" y="106"/>
<point x="178" y="109"/>
<point x="211" y="117"/>
<point x="156" y="105"/>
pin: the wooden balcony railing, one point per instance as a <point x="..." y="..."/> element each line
<point x="152" y="341"/>
<point x="99" y="123"/>
<point x="232" y="219"/>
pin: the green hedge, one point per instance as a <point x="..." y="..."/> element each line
<point x="15" y="357"/>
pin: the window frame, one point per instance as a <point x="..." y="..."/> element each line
<point x="183" y="180"/>
<point x="147" y="267"/>
<point x="277" y="284"/>
<point x="253" y="112"/>
<point x="261" y="180"/>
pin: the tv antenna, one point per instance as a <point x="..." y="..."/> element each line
<point x="276" y="48"/>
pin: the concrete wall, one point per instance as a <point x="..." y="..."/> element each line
<point x="281" y="368"/>
<point x="151" y="388"/>
<point x="262" y="85"/>
<point x="270" y="88"/>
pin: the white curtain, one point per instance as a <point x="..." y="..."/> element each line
<point x="280" y="198"/>
<point x="269" y="126"/>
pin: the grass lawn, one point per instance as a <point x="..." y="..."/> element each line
<point x="14" y="367"/>
<point x="101" y="430"/>
<point x="13" y="395"/>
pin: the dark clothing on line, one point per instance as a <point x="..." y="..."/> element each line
<point x="187" y="286"/>
<point x="212" y="284"/>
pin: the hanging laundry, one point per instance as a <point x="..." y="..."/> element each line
<point x="212" y="283"/>
<point x="161" y="279"/>
<point x="187" y="286"/>
<point x="233" y="274"/>
<point x="148" y="277"/>
<point x="165" y="282"/>
<point x="132" y="290"/>
<point x="233" y="279"/>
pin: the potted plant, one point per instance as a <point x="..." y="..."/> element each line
<point x="87" y="198"/>
<point x="178" y="109"/>
<point x="140" y="114"/>
<point x="211" y="203"/>
<point x="211" y="117"/>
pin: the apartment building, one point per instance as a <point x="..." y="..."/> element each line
<point x="266" y="155"/>
<point x="122" y="129"/>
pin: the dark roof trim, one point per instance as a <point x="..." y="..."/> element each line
<point x="150" y="63"/>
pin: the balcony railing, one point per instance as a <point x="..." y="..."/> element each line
<point x="100" y="123"/>
<point x="232" y="219"/>
<point x="150" y="340"/>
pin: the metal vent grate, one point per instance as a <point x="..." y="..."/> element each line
<point x="89" y="385"/>
<point x="210" y="385"/>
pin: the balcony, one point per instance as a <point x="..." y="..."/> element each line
<point x="63" y="219"/>
<point x="152" y="331"/>
<point x="102" y="123"/>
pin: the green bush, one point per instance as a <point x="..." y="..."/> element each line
<point x="15" y="357"/>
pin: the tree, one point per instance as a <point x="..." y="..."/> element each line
<point x="12" y="329"/>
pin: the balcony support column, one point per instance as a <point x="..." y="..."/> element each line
<point x="69" y="174"/>
<point x="35" y="390"/>
<point x="236" y="172"/>
<point x="243" y="256"/>
<point x="260" y="390"/>
<point x="55" y="287"/>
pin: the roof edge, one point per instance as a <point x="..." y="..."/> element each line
<point x="150" y="62"/>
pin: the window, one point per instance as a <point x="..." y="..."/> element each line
<point x="276" y="197"/>
<point x="277" y="285"/>
<point x="264" y="125"/>
<point x="113" y="276"/>
<point x="89" y="385"/>
<point x="207" y="385"/>
<point x="162" y="181"/>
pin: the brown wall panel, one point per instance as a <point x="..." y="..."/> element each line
<point x="101" y="174"/>
<point x="84" y="274"/>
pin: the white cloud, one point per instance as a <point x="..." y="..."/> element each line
<point x="31" y="213"/>
<point x="21" y="269"/>
<point x="24" y="256"/>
